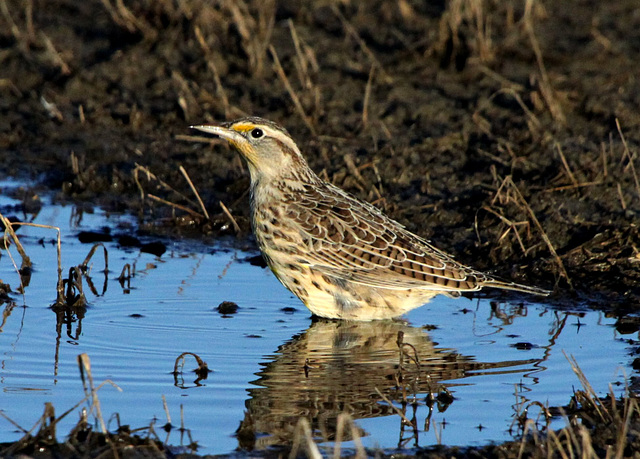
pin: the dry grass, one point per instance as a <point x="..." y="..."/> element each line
<point x="629" y="157"/>
<point x="367" y="96"/>
<point x="47" y="423"/>
<point x="195" y="192"/>
<point x="122" y="16"/>
<point x="233" y="221"/>
<point x="353" y="33"/>
<point x="21" y="25"/>
<point x="512" y="228"/>
<point x="576" y="439"/>
<point x="305" y="61"/>
<point x="292" y="93"/>
<point x="546" y="89"/>
<point x="472" y="14"/>
<point x="255" y="29"/>
<point x="141" y="172"/>
<point x="210" y="60"/>
<point x="466" y="28"/>
<point x="83" y="441"/>
<point x="508" y="193"/>
<point x="306" y="100"/>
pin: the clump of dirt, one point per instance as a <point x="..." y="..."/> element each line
<point x="506" y="132"/>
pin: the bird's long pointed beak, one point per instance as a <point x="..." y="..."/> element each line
<point x="232" y="136"/>
<point x="221" y="131"/>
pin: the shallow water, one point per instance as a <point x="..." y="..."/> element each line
<point x="271" y="363"/>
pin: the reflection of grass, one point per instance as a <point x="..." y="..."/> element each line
<point x="82" y="441"/>
<point x="595" y="427"/>
<point x="69" y="291"/>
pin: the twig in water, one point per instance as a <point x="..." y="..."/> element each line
<point x="394" y="408"/>
<point x="9" y="231"/>
<point x="125" y="274"/>
<point x="166" y="410"/>
<point x="26" y="261"/>
<point x="85" y="263"/>
<point x="202" y="372"/>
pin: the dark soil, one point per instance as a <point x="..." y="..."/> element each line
<point x="508" y="133"/>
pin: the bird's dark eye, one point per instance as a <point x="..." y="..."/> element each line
<point x="256" y="133"/>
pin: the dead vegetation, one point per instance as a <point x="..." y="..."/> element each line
<point x="93" y="435"/>
<point x="595" y="427"/>
<point x="69" y="291"/>
<point x="341" y="74"/>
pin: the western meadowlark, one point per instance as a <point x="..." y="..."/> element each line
<point x="341" y="256"/>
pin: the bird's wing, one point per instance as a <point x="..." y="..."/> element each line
<point x="354" y="241"/>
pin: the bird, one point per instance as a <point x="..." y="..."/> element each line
<point x="341" y="256"/>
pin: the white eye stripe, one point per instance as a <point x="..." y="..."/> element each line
<point x="279" y="135"/>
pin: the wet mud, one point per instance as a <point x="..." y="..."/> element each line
<point x="506" y="132"/>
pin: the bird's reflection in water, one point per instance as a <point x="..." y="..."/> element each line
<point x="356" y="368"/>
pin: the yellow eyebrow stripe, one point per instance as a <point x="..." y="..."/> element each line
<point x="243" y="127"/>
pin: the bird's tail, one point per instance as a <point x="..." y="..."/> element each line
<point x="493" y="283"/>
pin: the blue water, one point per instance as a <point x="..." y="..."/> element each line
<point x="271" y="364"/>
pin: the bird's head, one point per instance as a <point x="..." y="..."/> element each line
<point x="268" y="149"/>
